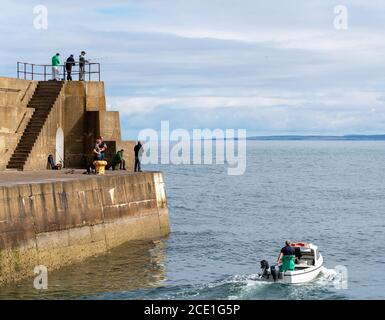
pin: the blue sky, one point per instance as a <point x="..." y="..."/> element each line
<point x="271" y="67"/>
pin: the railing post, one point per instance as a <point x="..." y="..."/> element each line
<point x="32" y="71"/>
<point x="89" y="72"/>
<point x="25" y="71"/>
<point x="45" y="72"/>
<point x="99" y="71"/>
<point x="18" y="70"/>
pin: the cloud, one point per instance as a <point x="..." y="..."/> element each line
<point x="312" y="114"/>
<point x="269" y="67"/>
<point x="128" y="106"/>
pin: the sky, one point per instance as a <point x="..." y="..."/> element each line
<point x="272" y="67"/>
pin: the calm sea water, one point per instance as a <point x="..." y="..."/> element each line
<point x="329" y="193"/>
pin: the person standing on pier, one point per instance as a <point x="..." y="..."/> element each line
<point x="82" y="66"/>
<point x="138" y="152"/>
<point x="55" y="66"/>
<point x="69" y="64"/>
<point x="102" y="148"/>
<point x="98" y="153"/>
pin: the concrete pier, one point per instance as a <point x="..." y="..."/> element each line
<point x="56" y="218"/>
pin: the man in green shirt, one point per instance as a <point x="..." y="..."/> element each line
<point x="55" y="67"/>
<point x="118" y="159"/>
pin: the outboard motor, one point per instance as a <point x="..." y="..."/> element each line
<point x="265" y="269"/>
<point x="274" y="270"/>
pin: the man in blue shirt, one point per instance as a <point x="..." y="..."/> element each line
<point x="286" y="257"/>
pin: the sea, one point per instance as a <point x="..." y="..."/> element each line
<point x="329" y="193"/>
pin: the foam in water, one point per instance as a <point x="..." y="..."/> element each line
<point x="252" y="287"/>
<point x="330" y="276"/>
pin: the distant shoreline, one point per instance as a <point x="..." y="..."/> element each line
<point x="352" y="137"/>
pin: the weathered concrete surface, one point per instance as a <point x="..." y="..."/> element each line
<point x="80" y="111"/>
<point x="128" y="147"/>
<point x="95" y="96"/>
<point x="14" y="114"/>
<point x="55" y="219"/>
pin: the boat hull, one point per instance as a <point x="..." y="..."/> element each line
<point x="299" y="276"/>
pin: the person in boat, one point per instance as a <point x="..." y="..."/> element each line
<point x="286" y="257"/>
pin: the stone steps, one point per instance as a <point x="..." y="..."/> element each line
<point x="43" y="99"/>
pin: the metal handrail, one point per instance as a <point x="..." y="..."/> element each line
<point x="33" y="71"/>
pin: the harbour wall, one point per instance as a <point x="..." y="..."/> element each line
<point x="79" y="114"/>
<point x="61" y="222"/>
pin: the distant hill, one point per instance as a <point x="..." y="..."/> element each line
<point x="352" y="137"/>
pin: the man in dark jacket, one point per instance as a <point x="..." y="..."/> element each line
<point x="138" y="152"/>
<point x="69" y="64"/>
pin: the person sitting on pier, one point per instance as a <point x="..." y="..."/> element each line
<point x="119" y="160"/>
<point x="51" y="163"/>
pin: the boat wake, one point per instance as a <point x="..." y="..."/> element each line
<point x="246" y="287"/>
<point x="252" y="287"/>
<point x="323" y="287"/>
<point x="329" y="277"/>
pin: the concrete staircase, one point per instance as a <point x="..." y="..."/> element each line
<point x="42" y="101"/>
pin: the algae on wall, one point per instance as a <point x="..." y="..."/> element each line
<point x="63" y="222"/>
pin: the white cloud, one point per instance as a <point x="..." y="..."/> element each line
<point x="267" y="66"/>
<point x="133" y="105"/>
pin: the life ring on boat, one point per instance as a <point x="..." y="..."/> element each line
<point x="298" y="244"/>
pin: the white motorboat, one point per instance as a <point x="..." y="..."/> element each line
<point x="308" y="265"/>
